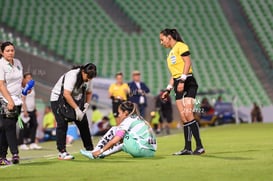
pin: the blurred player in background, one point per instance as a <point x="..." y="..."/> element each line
<point x="100" y="127"/>
<point x="29" y="112"/>
<point x="184" y="85"/>
<point x="138" y="91"/>
<point x="49" y="124"/>
<point x="96" y="114"/>
<point x="256" y="113"/>
<point x="155" y="116"/>
<point x="133" y="135"/>
<point x="118" y="92"/>
<point x="165" y="110"/>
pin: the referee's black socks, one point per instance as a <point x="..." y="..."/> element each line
<point x="187" y="136"/>
<point x="194" y="128"/>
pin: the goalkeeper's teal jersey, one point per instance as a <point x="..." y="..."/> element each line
<point x="140" y="130"/>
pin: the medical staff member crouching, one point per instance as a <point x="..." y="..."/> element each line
<point x="11" y="76"/>
<point x="74" y="81"/>
<point x="133" y="135"/>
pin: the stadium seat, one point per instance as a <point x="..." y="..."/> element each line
<point x="81" y="31"/>
<point x="260" y="15"/>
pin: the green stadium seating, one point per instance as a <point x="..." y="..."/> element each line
<point x="260" y="14"/>
<point x="81" y="31"/>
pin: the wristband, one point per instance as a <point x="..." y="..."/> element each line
<point x="183" y="77"/>
<point x="167" y="90"/>
<point x="101" y="150"/>
<point x="169" y="87"/>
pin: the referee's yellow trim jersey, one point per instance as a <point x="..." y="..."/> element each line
<point x="175" y="61"/>
<point x="119" y="91"/>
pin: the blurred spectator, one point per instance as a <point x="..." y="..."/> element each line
<point x="138" y="91"/>
<point x="219" y="100"/>
<point x="101" y="127"/>
<point x="205" y="115"/>
<point x="118" y="92"/>
<point x="165" y="111"/>
<point x="96" y="114"/>
<point x="112" y="119"/>
<point x="155" y="121"/>
<point x="206" y="107"/>
<point x="256" y="113"/>
<point x="29" y="113"/>
<point x="49" y="124"/>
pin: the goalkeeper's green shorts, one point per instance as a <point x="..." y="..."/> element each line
<point x="131" y="146"/>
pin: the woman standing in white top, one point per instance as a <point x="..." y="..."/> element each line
<point x="11" y="75"/>
<point x="73" y="83"/>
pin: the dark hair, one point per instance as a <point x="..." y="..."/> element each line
<point x="94" y="107"/>
<point x="26" y="74"/>
<point x="129" y="107"/>
<point x="173" y="33"/>
<point x="90" y="69"/>
<point x="132" y="110"/>
<point x="105" y="118"/>
<point x="5" y="44"/>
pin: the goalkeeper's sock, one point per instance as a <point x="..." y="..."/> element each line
<point x="187" y="136"/>
<point x="196" y="133"/>
<point x="106" y="138"/>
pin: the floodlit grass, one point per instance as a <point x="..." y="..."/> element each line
<point x="233" y="152"/>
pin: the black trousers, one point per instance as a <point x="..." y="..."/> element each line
<point x="62" y="126"/>
<point x="30" y="129"/>
<point x="8" y="136"/>
<point x="115" y="106"/>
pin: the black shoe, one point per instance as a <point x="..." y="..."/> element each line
<point x="183" y="152"/>
<point x="199" y="151"/>
<point x="15" y="159"/>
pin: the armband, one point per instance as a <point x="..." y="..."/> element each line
<point x="183" y="77"/>
<point x="169" y="87"/>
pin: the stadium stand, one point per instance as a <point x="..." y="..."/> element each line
<point x="81" y="31"/>
<point x="19" y="43"/>
<point x="260" y="14"/>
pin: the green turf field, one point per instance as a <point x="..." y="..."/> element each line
<point x="234" y="152"/>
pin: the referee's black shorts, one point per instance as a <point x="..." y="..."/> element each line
<point x="190" y="88"/>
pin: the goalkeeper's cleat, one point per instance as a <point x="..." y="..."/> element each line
<point x="15" y="159"/>
<point x="4" y="161"/>
<point x="87" y="154"/>
<point x="65" y="156"/>
<point x="183" y="152"/>
<point x="199" y="151"/>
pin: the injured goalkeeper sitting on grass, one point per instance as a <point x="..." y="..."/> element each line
<point x="133" y="135"/>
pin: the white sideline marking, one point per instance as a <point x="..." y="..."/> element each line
<point x="47" y="157"/>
